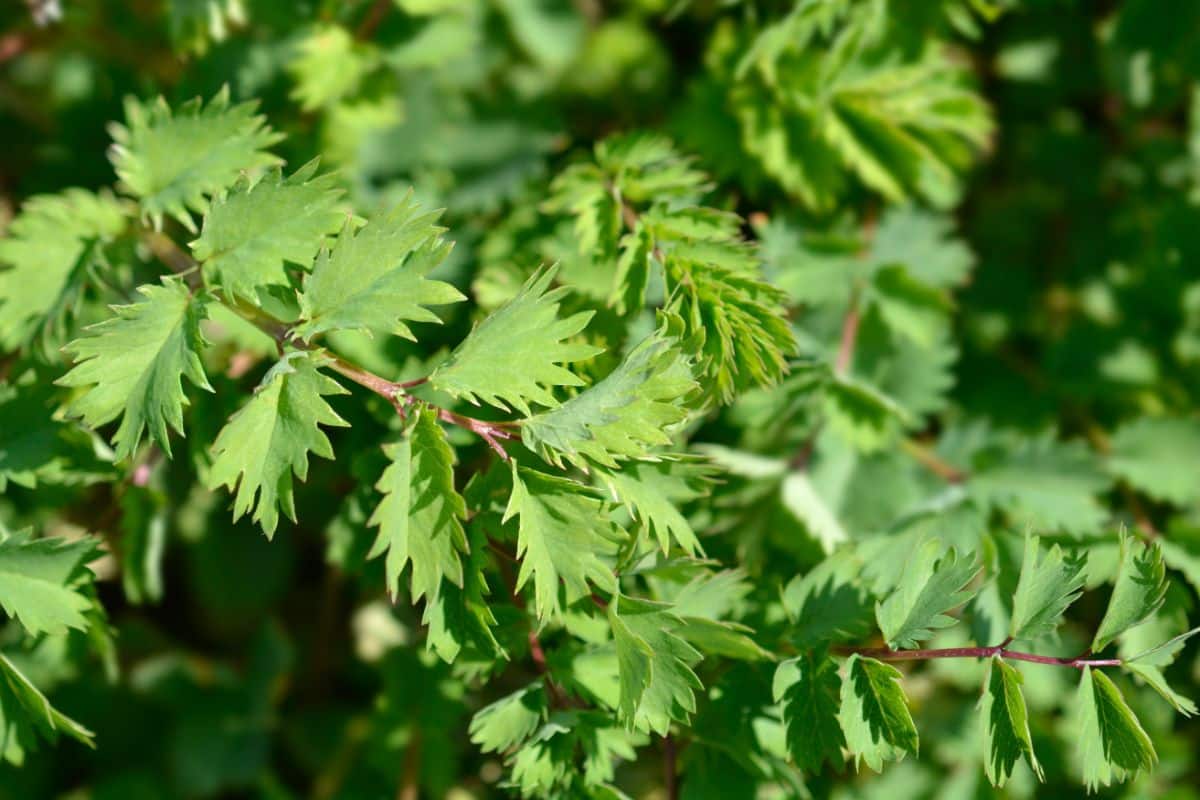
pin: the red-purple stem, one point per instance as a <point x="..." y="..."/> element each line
<point x="884" y="654"/>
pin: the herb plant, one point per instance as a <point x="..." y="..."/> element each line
<point x="793" y="399"/>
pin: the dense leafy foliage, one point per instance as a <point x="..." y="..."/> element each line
<point x="794" y="398"/>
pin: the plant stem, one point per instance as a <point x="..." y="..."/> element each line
<point x="845" y="354"/>
<point x="885" y="654"/>
<point x="670" y="768"/>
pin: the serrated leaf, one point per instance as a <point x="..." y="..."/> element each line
<point x="874" y="713"/>
<point x="510" y="720"/>
<point x="514" y="356"/>
<point x="251" y="233"/>
<point x="808" y="688"/>
<point x="268" y="440"/>
<point x="828" y="603"/>
<point x="374" y="279"/>
<point x="1046" y="587"/>
<point x="1157" y="455"/>
<point x="1112" y="743"/>
<point x="46" y="255"/>
<point x="862" y="414"/>
<point x="132" y="366"/>
<point x="924" y="243"/>
<point x="26" y="716"/>
<point x="909" y="307"/>
<point x="655" y="664"/>
<point x="653" y="491"/>
<point x="1044" y="484"/>
<point x="624" y="415"/>
<point x="1006" y="737"/>
<point x="739" y="320"/>
<point x="934" y="581"/>
<point x="563" y="533"/>
<point x="175" y="162"/>
<point x="328" y="65"/>
<point x="39" y="582"/>
<point x="420" y="516"/>
<point x="1138" y="592"/>
<point x="460" y="620"/>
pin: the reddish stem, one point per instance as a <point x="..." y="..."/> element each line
<point x="884" y="654"/>
<point x="845" y="352"/>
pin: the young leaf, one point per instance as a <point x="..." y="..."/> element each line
<point x="133" y="366"/>
<point x="563" y="533"/>
<point x="420" y="516"/>
<point x="46" y="255"/>
<point x="174" y="162"/>
<point x="1006" y="737"/>
<point x="932" y="584"/>
<point x="1138" y="592"/>
<point x="1111" y="740"/>
<point x="1149" y="665"/>
<point x="623" y="416"/>
<point x="1046" y="587"/>
<point x="740" y="321"/>
<point x="374" y="279"/>
<point x="655" y="664"/>
<point x="26" y="715"/>
<point x="653" y="491"/>
<point x="807" y="688"/>
<point x="269" y="439"/>
<point x="874" y="713"/>
<point x="514" y="356"/>
<point x="39" y="582"/>
<point x="251" y="233"/>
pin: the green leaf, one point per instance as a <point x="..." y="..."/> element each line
<point x="1112" y="742"/>
<point x="268" y="440"/>
<point x="133" y="366"/>
<point x="1150" y="663"/>
<point x="1139" y="590"/>
<point x="26" y="716"/>
<point x="1046" y="587"/>
<point x="828" y="603"/>
<point x="874" y="713"/>
<point x="563" y="534"/>
<point x="739" y="320"/>
<point x="40" y="582"/>
<point x="1044" y="484"/>
<point x="908" y="306"/>
<point x="374" y="279"/>
<point x="46" y="256"/>
<point x="655" y="664"/>
<point x="460" y="619"/>
<point x="923" y="243"/>
<point x="653" y="491"/>
<point x="510" y="720"/>
<point x="1157" y="455"/>
<point x="625" y="415"/>
<point x="1006" y="737"/>
<point x="254" y="231"/>
<point x="934" y="581"/>
<point x="862" y="414"/>
<point x="328" y="65"/>
<point x="175" y="162"/>
<point x="420" y="516"/>
<point x="800" y="497"/>
<point x="807" y="688"/>
<point x="513" y="357"/>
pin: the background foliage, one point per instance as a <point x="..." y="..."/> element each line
<point x="852" y="299"/>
